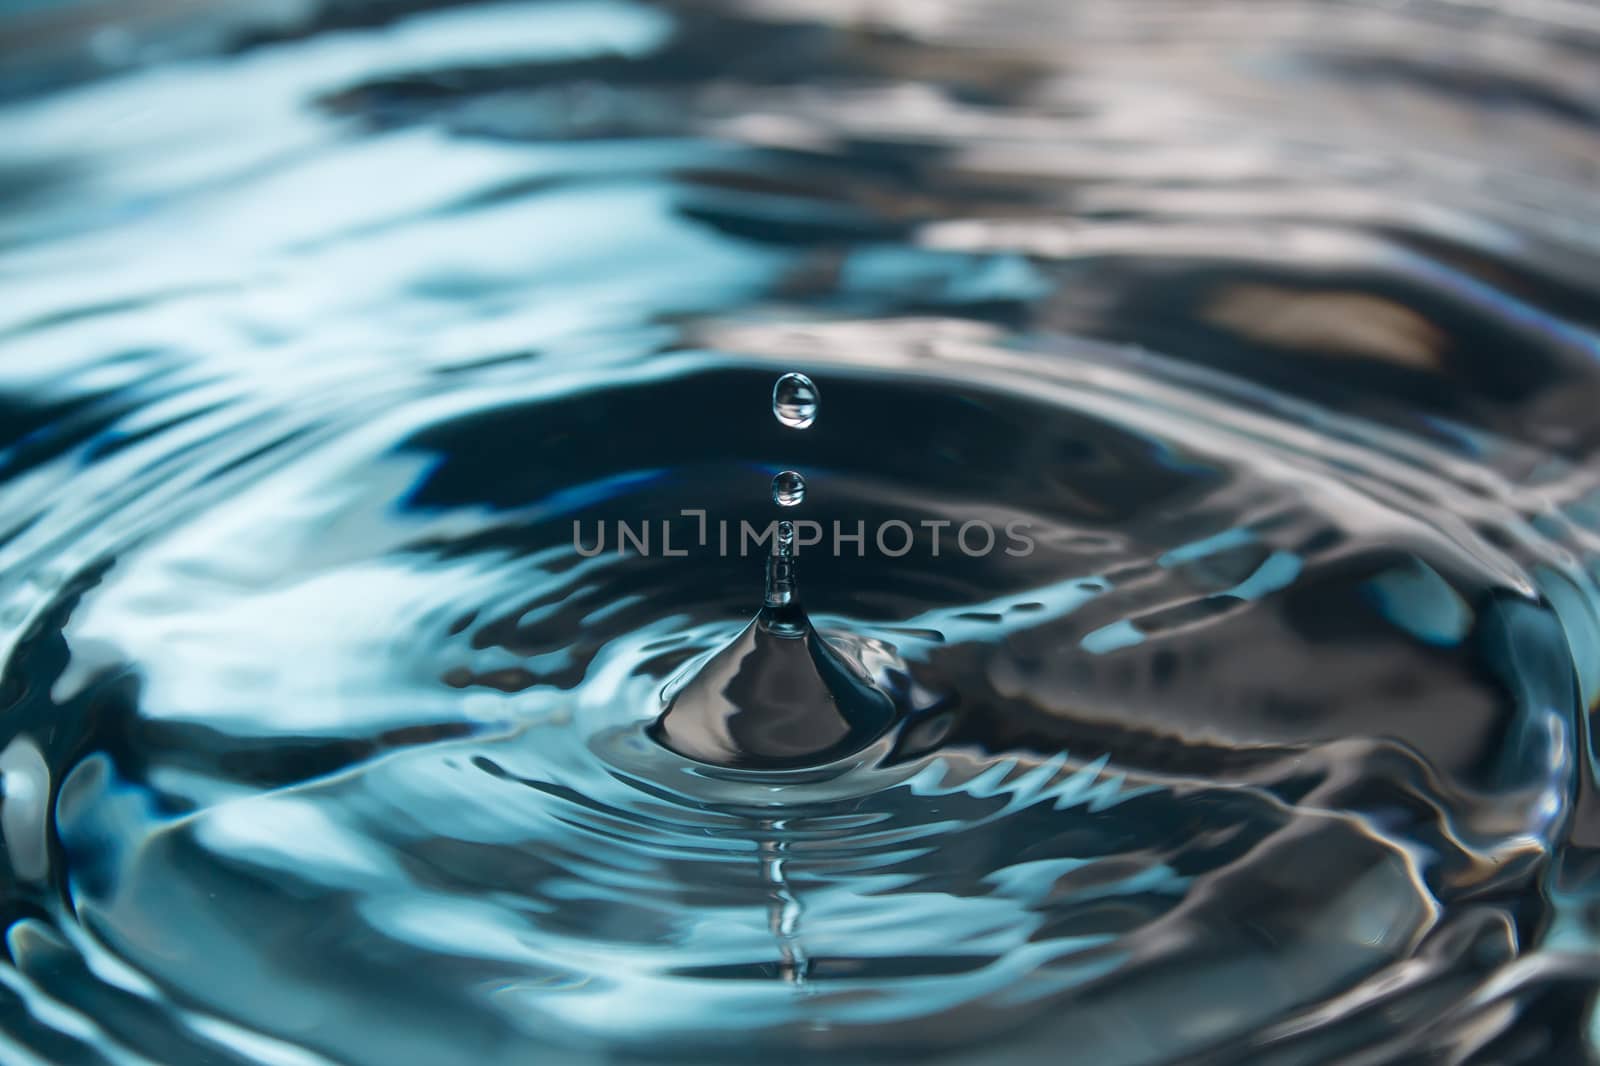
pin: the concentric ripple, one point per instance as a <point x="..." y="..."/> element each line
<point x="387" y="433"/>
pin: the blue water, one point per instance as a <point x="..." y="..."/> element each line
<point x="1262" y="338"/>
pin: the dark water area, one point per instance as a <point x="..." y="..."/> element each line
<point x="391" y="669"/>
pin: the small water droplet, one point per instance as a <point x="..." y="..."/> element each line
<point x="794" y="401"/>
<point x="788" y="488"/>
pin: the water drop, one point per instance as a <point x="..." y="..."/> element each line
<point x="788" y="488"/>
<point x="794" y="401"/>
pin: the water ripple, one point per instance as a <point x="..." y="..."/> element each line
<point x="1272" y="326"/>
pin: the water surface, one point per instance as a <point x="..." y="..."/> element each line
<point x="1272" y="325"/>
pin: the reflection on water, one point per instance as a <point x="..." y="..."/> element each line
<point x="1273" y="325"/>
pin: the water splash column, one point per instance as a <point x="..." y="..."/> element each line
<point x="777" y="696"/>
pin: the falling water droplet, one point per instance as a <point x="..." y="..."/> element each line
<point x="788" y="488"/>
<point x="794" y="401"/>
